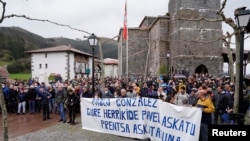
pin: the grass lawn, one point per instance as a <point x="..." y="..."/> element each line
<point x="20" y="76"/>
<point x="5" y="63"/>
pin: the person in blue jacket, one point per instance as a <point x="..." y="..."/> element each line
<point x="45" y="98"/>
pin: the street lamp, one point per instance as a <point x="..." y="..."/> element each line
<point x="93" y="42"/>
<point x="242" y="20"/>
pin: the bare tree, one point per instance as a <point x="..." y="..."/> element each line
<point x="2" y="18"/>
<point x="227" y="42"/>
<point x="4" y="114"/>
<point x="229" y="21"/>
<point x="2" y="102"/>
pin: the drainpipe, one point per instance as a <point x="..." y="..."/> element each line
<point x="68" y="66"/>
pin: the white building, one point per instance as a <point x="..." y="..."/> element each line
<point x="64" y="60"/>
<point x="110" y="67"/>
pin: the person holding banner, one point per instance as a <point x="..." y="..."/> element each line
<point x="181" y="96"/>
<point x="123" y="93"/>
<point x="97" y="95"/>
<point x="85" y="92"/>
<point x="205" y="103"/>
<point x="161" y="94"/>
<point x="130" y="92"/>
<point x="107" y="93"/>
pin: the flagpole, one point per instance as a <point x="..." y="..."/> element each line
<point x="121" y="58"/>
<point x="125" y="36"/>
<point x="127" y="56"/>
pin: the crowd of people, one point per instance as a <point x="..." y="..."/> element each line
<point x="214" y="95"/>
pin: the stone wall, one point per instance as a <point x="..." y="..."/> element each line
<point x="194" y="40"/>
<point x="147" y="22"/>
<point x="159" y="45"/>
<point x="186" y="35"/>
<point x="137" y="51"/>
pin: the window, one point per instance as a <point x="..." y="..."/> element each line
<point x="46" y="55"/>
<point x="46" y="66"/>
<point x="40" y="66"/>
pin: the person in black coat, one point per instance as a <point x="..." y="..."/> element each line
<point x="85" y="92"/>
<point x="221" y="103"/>
<point x="31" y="96"/>
<point x="144" y="90"/>
<point x="45" y="98"/>
<point x="71" y="102"/>
<point x="13" y="104"/>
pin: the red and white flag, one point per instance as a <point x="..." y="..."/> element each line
<point x="125" y="28"/>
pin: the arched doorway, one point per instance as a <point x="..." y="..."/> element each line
<point x="201" y="69"/>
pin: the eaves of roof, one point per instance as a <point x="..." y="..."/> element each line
<point x="61" y="48"/>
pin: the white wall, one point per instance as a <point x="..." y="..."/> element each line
<point x="225" y="68"/>
<point x="56" y="62"/>
<point x="111" y="70"/>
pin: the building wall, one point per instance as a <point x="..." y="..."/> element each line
<point x="195" y="42"/>
<point x="147" y="22"/>
<point x="56" y="63"/>
<point x="190" y="43"/>
<point x="149" y="43"/>
<point x="111" y="70"/>
<point x="137" y="51"/>
<point x="159" y="45"/>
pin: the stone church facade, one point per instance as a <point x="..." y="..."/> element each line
<point x="183" y="39"/>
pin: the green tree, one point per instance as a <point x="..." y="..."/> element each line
<point x="163" y="69"/>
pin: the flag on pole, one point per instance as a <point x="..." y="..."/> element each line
<point x="125" y="28"/>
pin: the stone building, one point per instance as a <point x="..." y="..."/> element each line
<point x="147" y="47"/>
<point x="195" y="43"/>
<point x="183" y="39"/>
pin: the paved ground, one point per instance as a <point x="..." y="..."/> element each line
<point x="67" y="132"/>
<point x="32" y="128"/>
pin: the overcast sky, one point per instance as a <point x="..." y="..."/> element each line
<point x="102" y="17"/>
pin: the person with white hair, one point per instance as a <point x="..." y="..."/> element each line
<point x="123" y="93"/>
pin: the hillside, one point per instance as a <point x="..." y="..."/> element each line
<point x="15" y="41"/>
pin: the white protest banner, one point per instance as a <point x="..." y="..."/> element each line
<point x="141" y="118"/>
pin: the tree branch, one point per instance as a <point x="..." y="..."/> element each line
<point x="222" y="7"/>
<point x="3" y="12"/>
<point x="48" y="21"/>
<point x="228" y="21"/>
<point x="33" y="19"/>
<point x="247" y="37"/>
